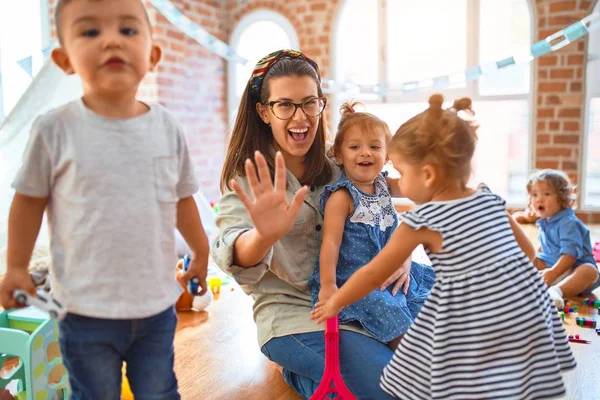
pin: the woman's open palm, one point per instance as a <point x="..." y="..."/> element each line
<point x="270" y="212"/>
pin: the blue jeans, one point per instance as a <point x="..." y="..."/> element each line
<point x="94" y="349"/>
<point x="302" y="356"/>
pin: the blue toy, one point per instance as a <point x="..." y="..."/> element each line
<point x="193" y="284"/>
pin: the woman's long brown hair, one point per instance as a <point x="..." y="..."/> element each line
<point x="250" y="133"/>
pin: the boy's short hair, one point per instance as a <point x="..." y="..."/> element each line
<point x="559" y="181"/>
<point x="61" y="4"/>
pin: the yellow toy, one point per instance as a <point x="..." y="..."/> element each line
<point x="126" y="393"/>
<point x="215" y="285"/>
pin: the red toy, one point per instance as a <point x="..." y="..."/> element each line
<point x="576" y="339"/>
<point x="332" y="382"/>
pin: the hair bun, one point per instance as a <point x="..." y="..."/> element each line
<point x="436" y="101"/>
<point x="349" y="107"/>
<point x="463" y="104"/>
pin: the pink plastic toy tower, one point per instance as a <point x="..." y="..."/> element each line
<point x="596" y="250"/>
<point x="332" y="385"/>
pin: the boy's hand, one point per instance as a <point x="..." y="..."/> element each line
<point x="324" y="310"/>
<point x="327" y="291"/>
<point x="17" y="278"/>
<point x="198" y="268"/>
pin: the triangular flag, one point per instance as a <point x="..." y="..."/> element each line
<point x="47" y="50"/>
<point x="27" y="65"/>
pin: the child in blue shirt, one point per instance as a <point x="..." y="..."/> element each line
<point x="565" y="258"/>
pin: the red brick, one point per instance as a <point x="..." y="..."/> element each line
<point x="541" y="125"/>
<point x="318" y="7"/>
<point x="562" y="21"/>
<point x="571" y="126"/>
<point x="563" y="6"/>
<point x="554" y="125"/>
<point x="545" y="164"/>
<point x="569" y="166"/>
<point x="575" y="87"/>
<point x="575" y="59"/>
<point x="566" y="139"/>
<point x="543" y="138"/>
<point x="545" y="113"/>
<point x="562" y="73"/>
<point x="548" y="60"/>
<point x="552" y="86"/>
<point x="552" y="100"/>
<point x="553" y="152"/>
<point x="569" y="113"/>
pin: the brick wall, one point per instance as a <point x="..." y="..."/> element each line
<point x="560" y="93"/>
<point x="191" y="82"/>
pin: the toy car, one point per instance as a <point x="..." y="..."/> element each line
<point x="43" y="301"/>
<point x="194" y="283"/>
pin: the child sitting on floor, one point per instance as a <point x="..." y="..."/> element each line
<point x="565" y="257"/>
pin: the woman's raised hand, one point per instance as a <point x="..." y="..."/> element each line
<point x="269" y="210"/>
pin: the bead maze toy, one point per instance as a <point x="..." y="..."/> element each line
<point x="591" y="303"/>
<point x="581" y="321"/>
<point x="332" y="385"/>
<point x="31" y="335"/>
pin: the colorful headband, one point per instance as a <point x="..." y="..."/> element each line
<point x="265" y="63"/>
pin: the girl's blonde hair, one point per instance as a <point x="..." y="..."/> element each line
<point x="365" y="121"/>
<point x="559" y="181"/>
<point x="439" y="136"/>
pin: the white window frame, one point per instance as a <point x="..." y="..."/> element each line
<point x="592" y="90"/>
<point x="470" y="90"/>
<point x="249" y="19"/>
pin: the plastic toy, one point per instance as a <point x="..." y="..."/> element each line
<point x="215" y="285"/>
<point x="568" y="310"/>
<point x="32" y="335"/>
<point x="188" y="299"/>
<point x="332" y="385"/>
<point x="591" y="302"/>
<point x="581" y="321"/>
<point x="193" y="284"/>
<point x="576" y="339"/>
<point x="596" y="250"/>
<point x="562" y="315"/>
<point x="43" y="301"/>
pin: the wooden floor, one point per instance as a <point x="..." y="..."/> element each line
<point x="217" y="355"/>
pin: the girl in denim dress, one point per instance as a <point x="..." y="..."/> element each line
<point x="359" y="219"/>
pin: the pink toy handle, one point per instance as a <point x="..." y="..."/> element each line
<point x="332" y="374"/>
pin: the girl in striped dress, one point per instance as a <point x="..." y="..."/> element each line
<point x="489" y="329"/>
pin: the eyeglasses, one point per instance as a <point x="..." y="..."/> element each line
<point x="284" y="109"/>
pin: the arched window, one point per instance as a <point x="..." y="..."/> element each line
<point x="403" y="40"/>
<point x="590" y="183"/>
<point x="255" y="36"/>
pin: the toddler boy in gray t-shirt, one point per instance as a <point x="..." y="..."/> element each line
<point x="116" y="179"/>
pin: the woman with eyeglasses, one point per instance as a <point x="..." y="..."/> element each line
<point x="270" y="229"/>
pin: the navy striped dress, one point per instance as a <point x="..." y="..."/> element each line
<point x="489" y="329"/>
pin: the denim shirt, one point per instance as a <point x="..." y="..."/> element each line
<point x="564" y="233"/>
